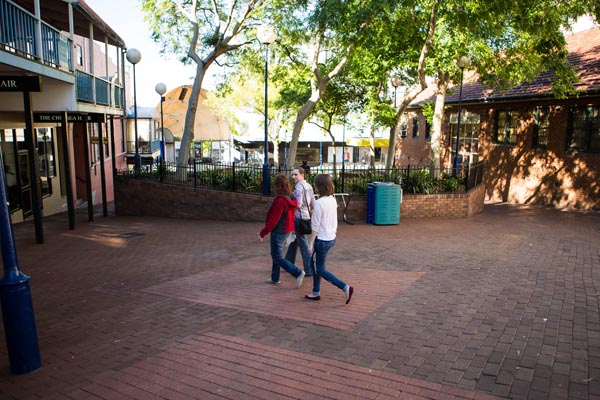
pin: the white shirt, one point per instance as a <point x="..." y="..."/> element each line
<point x="324" y="218"/>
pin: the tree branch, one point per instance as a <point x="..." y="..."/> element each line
<point x="427" y="45"/>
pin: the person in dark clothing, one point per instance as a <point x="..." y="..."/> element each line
<point x="305" y="166"/>
<point x="280" y="223"/>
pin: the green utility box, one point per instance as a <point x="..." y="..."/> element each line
<point x="383" y="203"/>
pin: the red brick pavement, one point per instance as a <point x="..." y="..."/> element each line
<point x="241" y="286"/>
<point x="504" y="303"/>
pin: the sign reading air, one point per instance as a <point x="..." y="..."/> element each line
<point x="20" y="84"/>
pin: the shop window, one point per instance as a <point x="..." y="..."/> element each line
<point x="415" y="126"/>
<point x="506" y="127"/>
<point x="468" y="146"/>
<point x="584" y="129"/>
<point x="541" y="127"/>
<point x="403" y="129"/>
<point x="45" y="144"/>
<point x="11" y="170"/>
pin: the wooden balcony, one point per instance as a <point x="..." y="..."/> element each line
<point x="48" y="43"/>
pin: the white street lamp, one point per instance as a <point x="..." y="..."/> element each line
<point x="161" y="89"/>
<point x="134" y="56"/>
<point x="462" y="63"/>
<point x="395" y="81"/>
<point x="266" y="35"/>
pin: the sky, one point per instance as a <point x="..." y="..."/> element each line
<point x="125" y="18"/>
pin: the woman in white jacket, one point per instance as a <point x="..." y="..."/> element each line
<point x="324" y="229"/>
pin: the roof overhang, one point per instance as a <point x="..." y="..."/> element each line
<point x="56" y="13"/>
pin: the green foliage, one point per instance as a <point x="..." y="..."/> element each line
<point x="428" y="109"/>
<point x="248" y="181"/>
<point x="419" y="182"/>
<point x="451" y="184"/>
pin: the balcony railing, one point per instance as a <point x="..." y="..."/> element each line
<point x="18" y="36"/>
<point x="102" y="91"/>
<point x="17" y="30"/>
<point x="51" y="39"/>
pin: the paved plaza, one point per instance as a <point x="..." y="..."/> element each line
<point x="501" y="305"/>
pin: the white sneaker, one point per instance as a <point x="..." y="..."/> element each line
<point x="271" y="281"/>
<point x="299" y="279"/>
<point x="348" y="291"/>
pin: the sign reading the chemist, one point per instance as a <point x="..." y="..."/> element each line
<point x="20" y="84"/>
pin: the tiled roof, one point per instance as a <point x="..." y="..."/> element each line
<point x="584" y="55"/>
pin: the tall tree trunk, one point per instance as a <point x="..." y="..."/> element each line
<point x="436" y="126"/>
<point x="318" y="87"/>
<point x="190" y="119"/>
<point x="372" y="147"/>
<point x="303" y="113"/>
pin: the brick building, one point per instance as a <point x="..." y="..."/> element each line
<point x="537" y="149"/>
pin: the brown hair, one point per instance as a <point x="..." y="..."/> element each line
<point x="301" y="171"/>
<point x="282" y="185"/>
<point x="324" y="185"/>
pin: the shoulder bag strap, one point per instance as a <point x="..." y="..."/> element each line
<point x="306" y="201"/>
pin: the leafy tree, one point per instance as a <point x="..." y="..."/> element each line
<point x="398" y="40"/>
<point x="341" y="98"/>
<point x="320" y="37"/>
<point x="508" y="42"/>
<point x="200" y="31"/>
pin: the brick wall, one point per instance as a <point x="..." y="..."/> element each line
<point x="135" y="197"/>
<point x="524" y="173"/>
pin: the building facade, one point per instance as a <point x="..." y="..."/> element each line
<point x="60" y="144"/>
<point x="537" y="149"/>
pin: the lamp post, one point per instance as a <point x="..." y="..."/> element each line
<point x="461" y="63"/>
<point x="343" y="154"/>
<point x="134" y="56"/>
<point x="266" y="35"/>
<point x="161" y="89"/>
<point x="285" y="147"/>
<point x="395" y="81"/>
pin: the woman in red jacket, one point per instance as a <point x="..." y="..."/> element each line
<point x="280" y="223"/>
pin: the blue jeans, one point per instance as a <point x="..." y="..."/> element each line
<point x="320" y="254"/>
<point x="292" y="250"/>
<point x="277" y="241"/>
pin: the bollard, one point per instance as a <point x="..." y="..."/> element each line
<point x="15" y="297"/>
<point x="19" y="324"/>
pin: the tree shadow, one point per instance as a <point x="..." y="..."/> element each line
<point x="542" y="176"/>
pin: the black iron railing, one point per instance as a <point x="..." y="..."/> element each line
<point x="247" y="178"/>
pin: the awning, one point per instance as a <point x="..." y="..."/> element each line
<point x="366" y="142"/>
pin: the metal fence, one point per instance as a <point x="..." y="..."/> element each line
<point x="247" y="178"/>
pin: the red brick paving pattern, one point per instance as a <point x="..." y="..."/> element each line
<point x="508" y="305"/>
<point x="243" y="286"/>
<point x="215" y="366"/>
